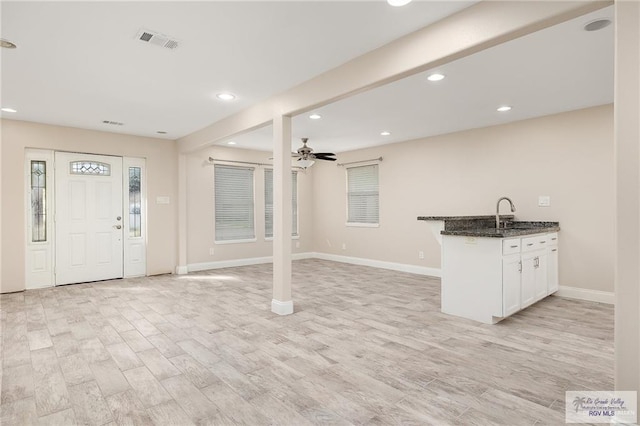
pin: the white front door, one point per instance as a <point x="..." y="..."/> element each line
<point x="88" y="217"/>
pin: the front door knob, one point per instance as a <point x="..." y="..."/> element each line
<point x="118" y="226"/>
<point x="119" y="218"/>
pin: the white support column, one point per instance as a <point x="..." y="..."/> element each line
<point x="282" y="216"/>
<point x="1" y="204"/>
<point x="627" y="184"/>
<point x="182" y="215"/>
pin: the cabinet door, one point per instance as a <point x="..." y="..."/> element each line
<point x="541" y="275"/>
<point x="552" y="269"/>
<point x="528" y="279"/>
<point x="510" y="284"/>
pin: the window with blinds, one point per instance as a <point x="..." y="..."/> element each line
<point x="233" y="187"/>
<point x="268" y="203"/>
<point x="362" y="194"/>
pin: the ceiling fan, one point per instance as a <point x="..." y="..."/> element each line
<point x="306" y="156"/>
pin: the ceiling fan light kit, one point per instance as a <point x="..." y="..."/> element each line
<point x="306" y="156"/>
<point x="305" y="163"/>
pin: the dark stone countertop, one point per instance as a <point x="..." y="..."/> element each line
<point x="508" y="232"/>
<point x="485" y="226"/>
<point x="481" y="217"/>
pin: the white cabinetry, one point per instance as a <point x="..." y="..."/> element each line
<point x="534" y="268"/>
<point x="528" y="279"/>
<point x="487" y="279"/>
<point x="511" y="290"/>
<point x="552" y="264"/>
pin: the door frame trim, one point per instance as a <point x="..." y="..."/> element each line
<point x="46" y="278"/>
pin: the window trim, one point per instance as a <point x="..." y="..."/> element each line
<point x="238" y="241"/>
<point x="363" y="225"/>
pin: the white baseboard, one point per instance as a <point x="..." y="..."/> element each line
<point x="420" y="270"/>
<point x="195" y="267"/>
<point x="586" y="294"/>
<point x="281" y="308"/>
<point x="401" y="267"/>
<point x="277" y="306"/>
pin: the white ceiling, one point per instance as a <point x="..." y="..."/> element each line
<point x="562" y="68"/>
<point x="78" y="63"/>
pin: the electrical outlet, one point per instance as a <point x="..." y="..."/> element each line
<point x="420" y="254"/>
<point x="344" y="246"/>
<point x="212" y="251"/>
<point x="544" y="201"/>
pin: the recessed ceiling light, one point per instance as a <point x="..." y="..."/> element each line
<point x="598" y="24"/>
<point x="385" y="133"/>
<point x="7" y="44"/>
<point x="226" y="96"/>
<point x="398" y="3"/>
<point x="231" y="143"/>
<point x="315" y="116"/>
<point x="161" y="132"/>
<point x="504" y="108"/>
<point x="435" y="77"/>
<point x="8" y="110"/>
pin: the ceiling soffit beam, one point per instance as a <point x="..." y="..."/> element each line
<point x="479" y="27"/>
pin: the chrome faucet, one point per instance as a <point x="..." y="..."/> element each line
<point x="513" y="209"/>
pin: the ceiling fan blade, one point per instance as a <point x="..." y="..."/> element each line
<point x="326" y="154"/>
<point x="326" y="158"/>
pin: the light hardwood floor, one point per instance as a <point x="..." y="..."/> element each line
<point x="365" y="346"/>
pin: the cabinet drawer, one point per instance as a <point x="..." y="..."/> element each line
<point x="538" y="242"/>
<point x="511" y="246"/>
<point x="534" y="243"/>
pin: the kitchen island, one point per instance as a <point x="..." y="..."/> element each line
<point x="489" y="273"/>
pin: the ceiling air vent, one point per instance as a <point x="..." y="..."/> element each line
<point x="113" y="123"/>
<point x="158" y="39"/>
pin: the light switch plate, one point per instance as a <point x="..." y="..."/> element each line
<point x="544" y="201"/>
<point x="162" y="200"/>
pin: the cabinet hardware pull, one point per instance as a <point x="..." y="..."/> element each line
<point x="554" y="250"/>
<point x="542" y="242"/>
<point x="529" y="245"/>
<point x="553" y="239"/>
<point x="513" y="246"/>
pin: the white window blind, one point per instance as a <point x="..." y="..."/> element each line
<point x="268" y="200"/>
<point x="362" y="194"/>
<point x="234" y="203"/>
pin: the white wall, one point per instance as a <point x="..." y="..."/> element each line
<point x="161" y="158"/>
<point x="568" y="157"/>
<point x="200" y="209"/>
